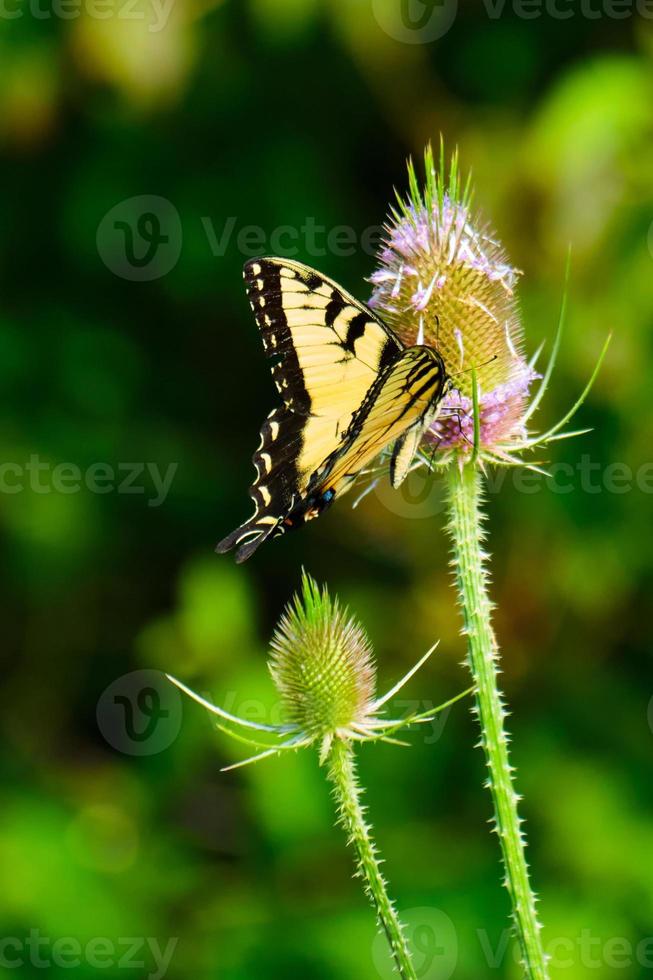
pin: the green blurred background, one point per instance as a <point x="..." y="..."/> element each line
<point x="273" y="113"/>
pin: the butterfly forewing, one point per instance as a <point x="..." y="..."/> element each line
<point x="327" y="347"/>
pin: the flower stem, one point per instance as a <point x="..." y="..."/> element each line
<point x="466" y="528"/>
<point x="351" y="815"/>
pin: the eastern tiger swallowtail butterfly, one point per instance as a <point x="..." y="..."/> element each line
<point x="349" y="389"/>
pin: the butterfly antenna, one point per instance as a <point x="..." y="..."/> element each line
<point x="455" y="374"/>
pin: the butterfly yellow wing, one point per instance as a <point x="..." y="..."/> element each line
<point x="400" y="407"/>
<point x="329" y="354"/>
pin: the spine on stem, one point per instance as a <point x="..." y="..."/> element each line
<point x="351" y="815"/>
<point x="469" y="559"/>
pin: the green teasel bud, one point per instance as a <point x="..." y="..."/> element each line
<point x="322" y="665"/>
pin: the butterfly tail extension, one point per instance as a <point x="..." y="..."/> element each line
<point x="247" y="538"/>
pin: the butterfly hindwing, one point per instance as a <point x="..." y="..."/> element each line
<point x="399" y="408"/>
<point x="274" y="485"/>
<point x="348" y="388"/>
<point x="403" y="453"/>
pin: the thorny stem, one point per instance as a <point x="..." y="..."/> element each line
<point x="351" y="815"/>
<point x="465" y="527"/>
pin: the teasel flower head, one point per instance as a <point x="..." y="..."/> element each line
<point x="323" y="667"/>
<point x="443" y="279"/>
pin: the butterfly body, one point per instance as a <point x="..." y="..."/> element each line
<point x="349" y="389"/>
